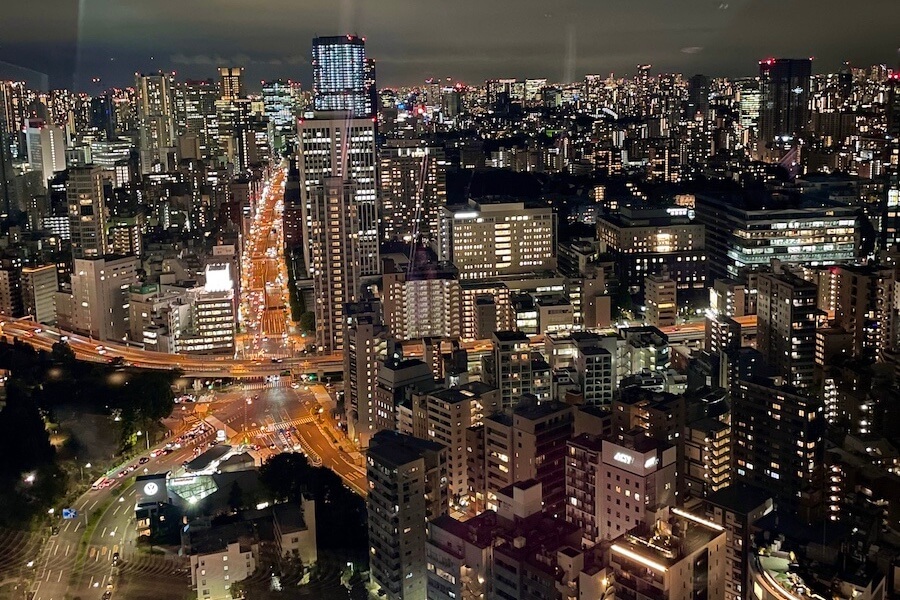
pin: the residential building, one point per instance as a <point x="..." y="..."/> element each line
<point x="413" y="188"/>
<point x="407" y="488"/>
<point x="87" y="212"/>
<point x="514" y="369"/>
<point x="787" y="318"/>
<point x="636" y="478"/>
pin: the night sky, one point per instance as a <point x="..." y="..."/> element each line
<point x="468" y="40"/>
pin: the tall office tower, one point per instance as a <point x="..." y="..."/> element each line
<point x="156" y="119"/>
<point x="489" y="239"/>
<point x="371" y="86"/>
<point x="786" y="326"/>
<point x="784" y="103"/>
<point x="334" y="263"/>
<point x="893" y="106"/>
<point x="514" y="369"/>
<point x="14" y="102"/>
<point x="278" y="105"/>
<point x="749" y="100"/>
<point x="231" y="83"/>
<point x="39" y="285"/>
<point x="777" y="435"/>
<point x="341" y="75"/>
<point x="195" y="109"/>
<point x="87" y="212"/>
<point x="698" y="97"/>
<point x="413" y="189"/>
<point x="365" y="342"/>
<point x="98" y="303"/>
<point x="45" y="147"/>
<point x="659" y="295"/>
<point x="407" y="488"/>
<point x="890" y="211"/>
<point x="333" y="146"/>
<point x="747" y="231"/>
<point x="8" y="196"/>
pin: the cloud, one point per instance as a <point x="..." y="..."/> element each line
<point x="242" y="60"/>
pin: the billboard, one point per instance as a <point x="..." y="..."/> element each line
<point x="151" y="489"/>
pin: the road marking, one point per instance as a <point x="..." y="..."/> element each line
<point x="104" y="532"/>
<point x="77" y="525"/>
<point x="115" y="512"/>
<point x="58" y="579"/>
<point x="94" y="504"/>
<point x="68" y="546"/>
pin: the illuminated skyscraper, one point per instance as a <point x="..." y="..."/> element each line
<point x="156" y="117"/>
<point x="231" y="82"/>
<point x="333" y="146"/>
<point x="341" y="75"/>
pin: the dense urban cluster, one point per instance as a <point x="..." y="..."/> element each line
<point x="635" y="336"/>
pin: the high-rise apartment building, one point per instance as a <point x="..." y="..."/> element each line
<point x="365" y="342"/>
<point x="341" y="75"/>
<point x="787" y="318"/>
<point x="421" y="301"/>
<point x="87" y="212"/>
<point x="449" y="413"/>
<point x="334" y="259"/>
<point x="331" y="145"/>
<point x="491" y="239"/>
<point x="413" y="189"/>
<point x="407" y="488"/>
<point x="514" y="369"/>
<point x="784" y="103"/>
<point x="156" y="119"/>
<point x="527" y="442"/>
<point x="39" y="285"/>
<point x="778" y="436"/>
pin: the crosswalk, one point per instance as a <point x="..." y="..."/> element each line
<point x="264" y="385"/>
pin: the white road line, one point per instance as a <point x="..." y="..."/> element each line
<point x="104" y="532"/>
<point x="58" y="579"/>
<point x="77" y="525"/>
<point x="94" y="504"/>
<point x="68" y="546"/>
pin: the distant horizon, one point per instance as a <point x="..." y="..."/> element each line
<point x="70" y="42"/>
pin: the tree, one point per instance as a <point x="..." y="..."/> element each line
<point x="62" y="353"/>
<point x="235" y="497"/>
<point x="307" y="321"/>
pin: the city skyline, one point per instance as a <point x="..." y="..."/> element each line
<point x="71" y="45"/>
